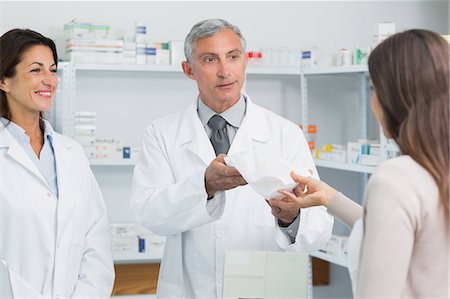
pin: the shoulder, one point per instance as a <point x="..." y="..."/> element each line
<point x="63" y="141"/>
<point x="402" y="170"/>
<point x="400" y="182"/>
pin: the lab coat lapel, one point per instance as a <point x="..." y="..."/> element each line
<point x="63" y="157"/>
<point x="193" y="136"/>
<point x="253" y="132"/>
<point x="16" y="152"/>
<point x="66" y="200"/>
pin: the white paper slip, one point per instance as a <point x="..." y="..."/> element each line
<point x="265" y="173"/>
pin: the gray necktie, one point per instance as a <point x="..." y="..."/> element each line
<point x="219" y="137"/>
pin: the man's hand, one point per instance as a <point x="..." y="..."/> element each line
<point x="284" y="210"/>
<point x="220" y="177"/>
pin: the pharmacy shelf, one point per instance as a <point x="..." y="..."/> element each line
<point x="330" y="258"/>
<point x="136" y="258"/>
<point x="273" y="71"/>
<point x="250" y="70"/>
<point x="336" y="70"/>
<point x="129" y="68"/>
<point x="112" y="162"/>
<point x="177" y="69"/>
<point x="345" y="166"/>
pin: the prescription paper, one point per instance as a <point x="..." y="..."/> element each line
<point x="265" y="173"/>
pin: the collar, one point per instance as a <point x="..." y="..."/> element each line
<point x="18" y="133"/>
<point x="233" y="115"/>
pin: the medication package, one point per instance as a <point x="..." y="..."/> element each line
<point x="266" y="174"/>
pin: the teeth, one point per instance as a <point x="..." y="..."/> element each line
<point x="44" y="93"/>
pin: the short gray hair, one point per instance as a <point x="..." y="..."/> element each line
<point x="207" y="28"/>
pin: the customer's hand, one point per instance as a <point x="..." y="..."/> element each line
<point x="220" y="177"/>
<point x="308" y="193"/>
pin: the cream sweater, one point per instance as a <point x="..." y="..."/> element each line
<point x="405" y="248"/>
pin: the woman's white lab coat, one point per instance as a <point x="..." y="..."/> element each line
<point x="55" y="247"/>
<point x="169" y="198"/>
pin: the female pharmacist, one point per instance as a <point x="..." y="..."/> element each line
<point x="404" y="222"/>
<point x="54" y="232"/>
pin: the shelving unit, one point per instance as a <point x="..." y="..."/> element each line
<point x="136" y="258"/>
<point x="345" y="166"/>
<point x="65" y="107"/>
<point x="112" y="162"/>
<point x="330" y="258"/>
<point x="128" y="68"/>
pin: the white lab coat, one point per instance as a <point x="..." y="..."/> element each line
<point x="170" y="199"/>
<point x="55" y="247"/>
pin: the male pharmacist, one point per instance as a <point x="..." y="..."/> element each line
<point x="182" y="188"/>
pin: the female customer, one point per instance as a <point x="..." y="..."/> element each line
<point x="405" y="214"/>
<point x="54" y="232"/>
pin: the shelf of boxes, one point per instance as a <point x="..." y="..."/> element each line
<point x="129" y="67"/>
<point x="345" y="166"/>
<point x="290" y="71"/>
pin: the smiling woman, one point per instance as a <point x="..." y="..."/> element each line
<point x="54" y="234"/>
<point x="16" y="57"/>
<point x="31" y="89"/>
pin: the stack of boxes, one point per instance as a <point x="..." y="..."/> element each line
<point x="364" y="152"/>
<point x="129" y="52"/>
<point x="90" y="43"/>
<point x="85" y="126"/>
<point x="108" y="148"/>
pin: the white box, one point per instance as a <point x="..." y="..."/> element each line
<point x="86" y="140"/>
<point x="85" y="129"/>
<point x="108" y="149"/>
<point x="163" y="56"/>
<point x="89" y="151"/>
<point x="384" y="30"/>
<point x="338" y="155"/>
<point x="336" y="246"/>
<point x="176" y="52"/>
<point x="371" y="160"/>
<point x="354" y="152"/>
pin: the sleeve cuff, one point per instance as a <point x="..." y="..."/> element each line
<point x="291" y="230"/>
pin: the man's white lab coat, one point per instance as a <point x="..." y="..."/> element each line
<point x="170" y="199"/>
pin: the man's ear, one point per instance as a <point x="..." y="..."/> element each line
<point x="187" y="69"/>
<point x="4" y="84"/>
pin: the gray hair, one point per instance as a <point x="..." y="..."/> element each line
<point x="207" y="28"/>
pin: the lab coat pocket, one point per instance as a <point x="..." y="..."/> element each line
<point x="261" y="213"/>
<point x="74" y="261"/>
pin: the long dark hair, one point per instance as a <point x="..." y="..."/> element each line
<point x="410" y="75"/>
<point x="13" y="44"/>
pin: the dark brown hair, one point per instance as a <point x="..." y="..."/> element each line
<point x="410" y="75"/>
<point x="13" y="44"/>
